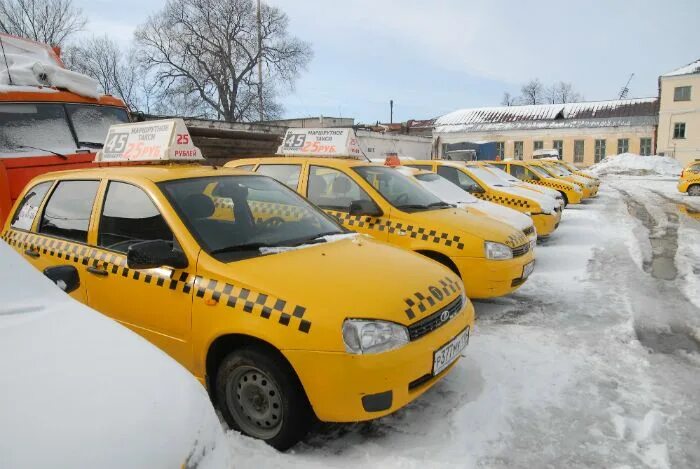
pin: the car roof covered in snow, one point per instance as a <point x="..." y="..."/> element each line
<point x="80" y="390"/>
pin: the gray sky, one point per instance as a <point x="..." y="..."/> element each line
<point x="432" y="57"/>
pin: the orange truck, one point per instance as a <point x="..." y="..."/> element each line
<point x="43" y="127"/>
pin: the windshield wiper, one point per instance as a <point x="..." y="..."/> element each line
<point x="97" y="145"/>
<point x="316" y="238"/>
<point x="243" y="247"/>
<point x="413" y="207"/>
<point x="42" y="149"/>
<point x="441" y="204"/>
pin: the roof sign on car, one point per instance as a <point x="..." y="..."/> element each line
<point x="330" y="143"/>
<point x="159" y="140"/>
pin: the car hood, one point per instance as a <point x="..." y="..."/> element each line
<point x="546" y="202"/>
<point x="519" y="220"/>
<point x="83" y="388"/>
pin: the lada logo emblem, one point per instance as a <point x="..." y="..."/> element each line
<point x="445" y="316"/>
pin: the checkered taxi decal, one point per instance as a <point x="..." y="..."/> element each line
<point x="503" y="200"/>
<point x="420" y="301"/>
<point x="241" y="298"/>
<point x="382" y="224"/>
<point x="552" y="184"/>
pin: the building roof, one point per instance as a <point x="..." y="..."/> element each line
<point x="625" y="112"/>
<point x="691" y="68"/>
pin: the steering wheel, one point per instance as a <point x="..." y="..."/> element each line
<point x="273" y="222"/>
<point x="402" y="199"/>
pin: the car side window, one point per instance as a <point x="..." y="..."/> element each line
<point x="287" y="174"/>
<point x="67" y="213"/>
<point x="333" y="190"/>
<point x="129" y="216"/>
<point x="695" y="168"/>
<point x="521" y="173"/>
<point x="457" y="177"/>
<point x="27" y="209"/>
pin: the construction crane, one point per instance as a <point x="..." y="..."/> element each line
<point x="625" y="89"/>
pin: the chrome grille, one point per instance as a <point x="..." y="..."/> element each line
<point x="521" y="250"/>
<point x="435" y="320"/>
<point x="529" y="230"/>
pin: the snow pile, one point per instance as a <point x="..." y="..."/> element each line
<point x="29" y="63"/>
<point x="630" y="164"/>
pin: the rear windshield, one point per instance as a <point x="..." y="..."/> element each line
<point x="28" y="129"/>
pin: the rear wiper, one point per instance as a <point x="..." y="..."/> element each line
<point x="243" y="247"/>
<point x="42" y="149"/>
<point x="97" y="145"/>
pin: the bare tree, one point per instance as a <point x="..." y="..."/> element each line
<point x="562" y="92"/>
<point x="47" y="21"/>
<point x="203" y="53"/>
<point x="508" y="99"/>
<point x="115" y="70"/>
<point x="532" y="92"/>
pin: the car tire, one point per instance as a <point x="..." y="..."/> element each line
<point x="694" y="190"/>
<point x="259" y="395"/>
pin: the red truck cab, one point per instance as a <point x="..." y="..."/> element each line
<point x="44" y="129"/>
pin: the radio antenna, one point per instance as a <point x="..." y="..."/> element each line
<point x="2" y="46"/>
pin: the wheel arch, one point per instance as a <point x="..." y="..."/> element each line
<point x="441" y="258"/>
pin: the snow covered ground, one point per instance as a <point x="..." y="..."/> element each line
<point x="594" y="362"/>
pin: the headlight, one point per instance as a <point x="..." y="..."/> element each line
<point x="366" y="336"/>
<point x="529" y="214"/>
<point x="497" y="251"/>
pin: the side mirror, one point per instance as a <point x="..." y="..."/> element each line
<point x="65" y="277"/>
<point x="153" y="254"/>
<point x="475" y="189"/>
<point x="364" y="207"/>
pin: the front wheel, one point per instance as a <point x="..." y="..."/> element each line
<point x="566" y="199"/>
<point x="259" y="395"/>
<point x="694" y="190"/>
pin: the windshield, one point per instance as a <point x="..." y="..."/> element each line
<point x="444" y="189"/>
<point x="28" y="128"/>
<point x="488" y="177"/>
<point x="399" y="190"/>
<point x="502" y="174"/>
<point x="561" y="169"/>
<point x="234" y="217"/>
<point x="539" y="171"/>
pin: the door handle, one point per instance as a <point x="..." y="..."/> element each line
<point x="97" y="271"/>
<point x="31" y="253"/>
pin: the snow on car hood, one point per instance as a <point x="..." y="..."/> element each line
<point x="508" y="215"/>
<point x="80" y="390"/>
<point x="546" y="202"/>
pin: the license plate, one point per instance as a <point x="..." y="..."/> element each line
<point x="449" y="352"/>
<point x="527" y="270"/>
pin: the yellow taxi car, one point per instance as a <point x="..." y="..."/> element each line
<point x="587" y="186"/>
<point x="689" y="181"/>
<point x="492" y="258"/>
<point x="283" y="319"/>
<point x="577" y="171"/>
<point x="486" y="186"/>
<point x="533" y="174"/>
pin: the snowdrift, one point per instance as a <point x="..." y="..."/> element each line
<point x="29" y="63"/>
<point x="631" y="164"/>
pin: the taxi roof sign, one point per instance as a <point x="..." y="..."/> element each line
<point x="321" y="142"/>
<point x="159" y="140"/>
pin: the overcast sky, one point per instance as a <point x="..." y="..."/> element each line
<point x="435" y="56"/>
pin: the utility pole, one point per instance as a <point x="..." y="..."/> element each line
<point x="391" y="111"/>
<point x="260" y="59"/>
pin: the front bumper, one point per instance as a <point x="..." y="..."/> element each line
<point x="546" y="224"/>
<point x="343" y="387"/>
<point x="486" y="278"/>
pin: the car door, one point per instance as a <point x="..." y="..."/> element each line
<point x="61" y="230"/>
<point x="334" y="191"/>
<point x="155" y="303"/>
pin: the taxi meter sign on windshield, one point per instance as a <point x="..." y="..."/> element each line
<point x="341" y="143"/>
<point x="162" y="140"/>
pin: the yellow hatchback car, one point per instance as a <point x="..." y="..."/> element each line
<point x="485" y="185"/>
<point x="533" y="174"/>
<point x="280" y="311"/>
<point x="587" y="186"/>
<point x="689" y="181"/>
<point x="492" y="257"/>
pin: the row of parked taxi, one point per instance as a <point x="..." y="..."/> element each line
<point x="295" y="288"/>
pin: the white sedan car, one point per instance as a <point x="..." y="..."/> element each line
<point x="79" y="390"/>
